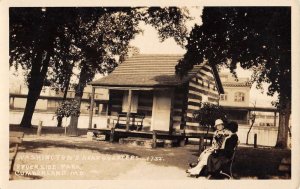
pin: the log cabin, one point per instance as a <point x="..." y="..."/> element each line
<point x="146" y="86"/>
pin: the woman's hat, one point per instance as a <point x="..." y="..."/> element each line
<point x="218" y="122"/>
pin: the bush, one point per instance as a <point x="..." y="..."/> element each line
<point x="208" y="114"/>
<point x="68" y="108"/>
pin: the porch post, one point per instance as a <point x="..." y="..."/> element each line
<point x="171" y="112"/>
<point x="129" y="109"/>
<point x="91" y="108"/>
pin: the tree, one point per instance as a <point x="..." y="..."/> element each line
<point x="257" y="38"/>
<point x="67" y="109"/>
<point x="87" y="38"/>
<point x="32" y="43"/>
<point x="42" y="38"/>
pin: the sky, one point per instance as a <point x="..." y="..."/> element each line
<point x="149" y="43"/>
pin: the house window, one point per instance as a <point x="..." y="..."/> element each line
<point x="239" y="97"/>
<point x="134" y="102"/>
<point x="223" y="97"/>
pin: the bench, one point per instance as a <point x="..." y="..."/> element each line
<point x="135" y="121"/>
<point x="14" y="138"/>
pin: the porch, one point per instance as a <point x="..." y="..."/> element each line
<point x="142" y="108"/>
<point x="177" y="138"/>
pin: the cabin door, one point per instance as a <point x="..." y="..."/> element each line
<point x="161" y="110"/>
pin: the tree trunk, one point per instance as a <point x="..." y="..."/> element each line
<point x="72" y="128"/>
<point x="283" y="128"/>
<point x="59" y="119"/>
<point x="38" y="73"/>
<point x="35" y="86"/>
<point x="32" y="98"/>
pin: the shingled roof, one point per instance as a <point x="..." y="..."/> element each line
<point x="146" y="70"/>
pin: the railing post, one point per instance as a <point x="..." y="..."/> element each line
<point x="39" y="129"/>
<point x="112" y="134"/>
<point x="255" y="140"/>
<point x="154" y="137"/>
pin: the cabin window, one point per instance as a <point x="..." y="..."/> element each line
<point x="223" y="97"/>
<point x="239" y="97"/>
<point x="134" y="102"/>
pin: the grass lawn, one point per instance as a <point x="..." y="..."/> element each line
<point x="250" y="163"/>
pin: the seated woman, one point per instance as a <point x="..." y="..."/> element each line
<point x="223" y="156"/>
<point x="218" y="138"/>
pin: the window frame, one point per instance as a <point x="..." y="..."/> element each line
<point x="239" y="96"/>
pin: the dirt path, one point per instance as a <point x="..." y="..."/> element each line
<point x="77" y="158"/>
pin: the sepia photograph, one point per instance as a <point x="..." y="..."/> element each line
<point x="150" y="93"/>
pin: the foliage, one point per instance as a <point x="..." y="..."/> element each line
<point x="93" y="36"/>
<point x="209" y="113"/>
<point x="50" y="43"/>
<point x="257" y="38"/>
<point x="68" y="108"/>
<point x="169" y="22"/>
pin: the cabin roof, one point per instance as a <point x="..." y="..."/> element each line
<point x="147" y="70"/>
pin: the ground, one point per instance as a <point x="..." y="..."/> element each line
<point x="56" y="156"/>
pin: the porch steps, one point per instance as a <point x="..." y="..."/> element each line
<point x="147" y="143"/>
<point x="94" y="136"/>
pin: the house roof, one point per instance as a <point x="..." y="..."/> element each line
<point x="229" y="81"/>
<point x="237" y="84"/>
<point x="147" y="70"/>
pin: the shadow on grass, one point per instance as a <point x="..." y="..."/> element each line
<point x="48" y="130"/>
<point x="262" y="163"/>
<point x="35" y="146"/>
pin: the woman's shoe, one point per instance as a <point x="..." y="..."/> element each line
<point x="194" y="175"/>
<point x="209" y="177"/>
<point x="192" y="165"/>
